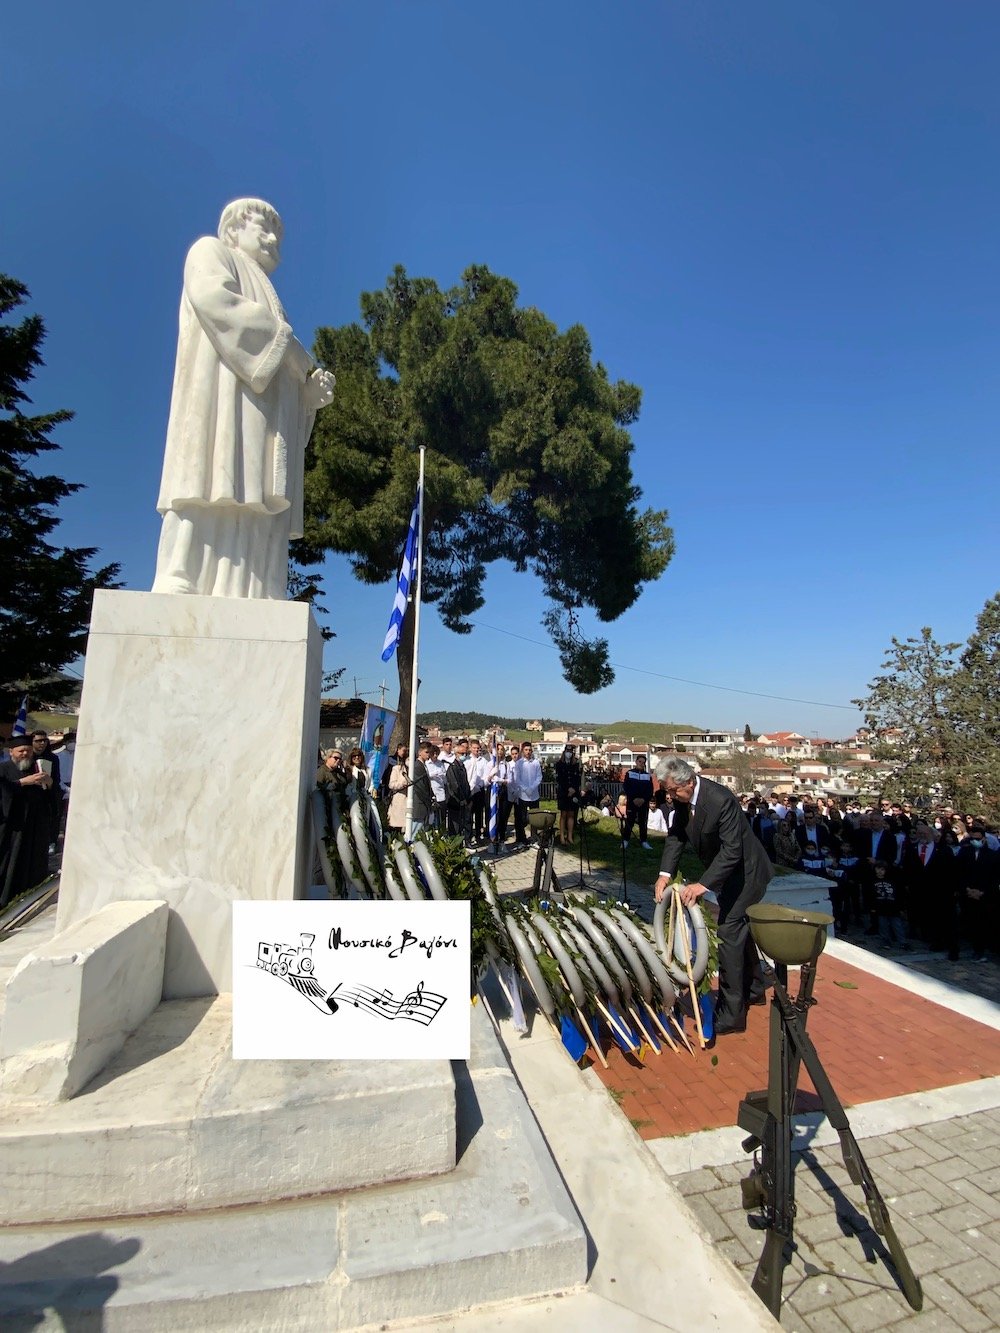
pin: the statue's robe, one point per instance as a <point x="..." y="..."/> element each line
<point x="233" y="463"/>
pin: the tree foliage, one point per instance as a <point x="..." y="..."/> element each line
<point x="46" y="591"/>
<point x="975" y="705"/>
<point x="934" y="713"/>
<point x="528" y="459"/>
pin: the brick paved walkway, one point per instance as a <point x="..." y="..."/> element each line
<point x="875" y="1041"/>
<point x="940" y="1177"/>
<point x="942" y="1185"/>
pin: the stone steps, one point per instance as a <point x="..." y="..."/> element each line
<point x="500" y="1226"/>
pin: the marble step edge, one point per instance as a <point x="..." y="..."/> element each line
<point x="500" y="1227"/>
<point x="174" y="1124"/>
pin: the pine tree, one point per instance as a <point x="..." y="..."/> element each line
<point x="528" y="460"/>
<point x="975" y="707"/>
<point x="908" y="709"/>
<point x="46" y="591"/>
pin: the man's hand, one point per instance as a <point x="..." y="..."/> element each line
<point x="36" y="780"/>
<point x="690" y="893"/>
<point x="318" y="389"/>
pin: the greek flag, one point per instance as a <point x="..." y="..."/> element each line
<point x="21" y="721"/>
<point x="494" y="799"/>
<point x="407" y="572"/>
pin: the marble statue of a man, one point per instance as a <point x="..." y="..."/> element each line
<point x="244" y="399"/>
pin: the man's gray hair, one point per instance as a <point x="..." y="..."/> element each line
<point x="236" y="213"/>
<point x="674" y="769"/>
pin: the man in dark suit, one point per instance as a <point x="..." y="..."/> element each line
<point x="873" y="842"/>
<point x="814" y="829"/>
<point x="708" y="818"/>
<point x="977" y="871"/>
<point x="929" y="876"/>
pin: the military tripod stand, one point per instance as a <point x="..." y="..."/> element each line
<point x="797" y="938"/>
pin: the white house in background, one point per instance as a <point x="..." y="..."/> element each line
<point x="811" y="775"/>
<point x="708" y="742"/>
<point x="857" y="746"/>
<point x="624" y="756"/>
<point x="546" y="750"/>
<point x="770" y="774"/>
<point x="721" y="774"/>
<point x="786" y="745"/>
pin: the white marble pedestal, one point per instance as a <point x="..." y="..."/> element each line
<point x="196" y="751"/>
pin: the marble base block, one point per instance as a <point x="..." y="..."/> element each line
<point x="173" y="1124"/>
<point x="71" y="1004"/>
<point x="196" y="751"/>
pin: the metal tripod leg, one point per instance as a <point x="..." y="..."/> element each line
<point x="777" y="1190"/>
<point x="856" y="1165"/>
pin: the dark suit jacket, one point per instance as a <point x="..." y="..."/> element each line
<point x="977" y="872"/>
<point x="933" y="882"/>
<point x="822" y="835"/>
<point x="885" y="847"/>
<point x="736" y="866"/>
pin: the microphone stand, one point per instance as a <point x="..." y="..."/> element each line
<point x="581" y="829"/>
<point x="622" y="820"/>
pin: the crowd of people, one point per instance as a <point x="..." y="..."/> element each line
<point x="902" y="873"/>
<point x="35" y="780"/>
<point x="452" y="788"/>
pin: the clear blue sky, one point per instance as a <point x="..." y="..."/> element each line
<point x="781" y="219"/>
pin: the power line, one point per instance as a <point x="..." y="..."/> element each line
<point x="683" y="680"/>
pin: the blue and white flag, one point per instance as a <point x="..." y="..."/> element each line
<point x="21" y="721"/>
<point x="407" y="573"/>
<point x="494" y="797"/>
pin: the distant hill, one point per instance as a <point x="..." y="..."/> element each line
<point x="650" y="733"/>
<point x="458" y="721"/>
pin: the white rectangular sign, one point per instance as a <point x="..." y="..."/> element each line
<point x="351" y="981"/>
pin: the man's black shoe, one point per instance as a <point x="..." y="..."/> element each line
<point x="724" y="1029"/>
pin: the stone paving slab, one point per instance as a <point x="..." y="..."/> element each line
<point x="837" y="1281"/>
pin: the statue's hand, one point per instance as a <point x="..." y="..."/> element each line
<point x="318" y="389"/>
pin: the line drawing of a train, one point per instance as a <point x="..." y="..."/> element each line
<point x="282" y="959"/>
<point x="294" y="963"/>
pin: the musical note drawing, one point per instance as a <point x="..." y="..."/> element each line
<point x="418" y="1006"/>
<point x="294" y="964"/>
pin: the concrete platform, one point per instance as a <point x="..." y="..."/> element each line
<point x="173" y="1124"/>
<point x="500" y="1227"/>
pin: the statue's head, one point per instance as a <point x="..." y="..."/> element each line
<point x="253" y="226"/>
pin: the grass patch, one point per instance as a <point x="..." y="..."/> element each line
<point x="604" y="848"/>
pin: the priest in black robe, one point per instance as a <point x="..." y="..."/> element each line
<point x="25" y="820"/>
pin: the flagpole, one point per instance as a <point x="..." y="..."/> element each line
<point x="415" y="681"/>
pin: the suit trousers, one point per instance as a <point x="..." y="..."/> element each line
<point x="635" y="814"/>
<point x="740" y="976"/>
<point x="477" y="812"/>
